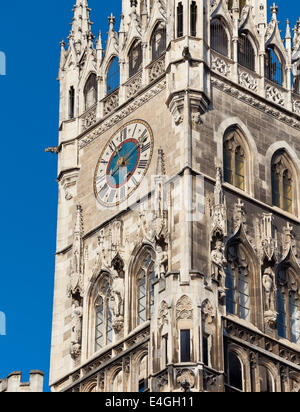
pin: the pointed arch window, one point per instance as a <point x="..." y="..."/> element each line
<point x="90" y="91"/>
<point x="273" y="67"/>
<point x="71" y="102"/>
<point x="145" y="286"/>
<point x="158" y="41"/>
<point x="237" y="282"/>
<point x="135" y="58"/>
<point x="283" y="182"/>
<point x="180" y="20"/>
<point x="113" y="75"/>
<point x="246" y="53"/>
<point x="218" y="37"/>
<point x="193" y="19"/>
<point x="288" y="305"/>
<point x="234" y="160"/>
<point x="266" y="380"/>
<point x="234" y="373"/>
<point x="103" y="315"/>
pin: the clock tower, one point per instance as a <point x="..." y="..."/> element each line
<point x="178" y="212"/>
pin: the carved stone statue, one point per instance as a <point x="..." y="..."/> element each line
<point x="76" y="329"/>
<point x="218" y="265"/>
<point x="161" y="262"/>
<point x="117" y="295"/>
<point x="270" y="290"/>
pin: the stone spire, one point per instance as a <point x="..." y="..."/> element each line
<point x="81" y="33"/>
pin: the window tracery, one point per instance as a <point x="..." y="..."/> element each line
<point x="282" y="182"/>
<point x="90" y="91"/>
<point x="234" y="160"/>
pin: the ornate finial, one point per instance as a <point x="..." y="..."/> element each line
<point x="161" y="168"/>
<point x="274" y="10"/>
<point x="111" y="21"/>
<point x="288" y="35"/>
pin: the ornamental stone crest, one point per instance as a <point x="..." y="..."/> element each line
<point x="184" y="308"/>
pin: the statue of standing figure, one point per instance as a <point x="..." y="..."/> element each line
<point x="218" y="265"/>
<point x="76" y="336"/>
<point x="270" y="290"/>
<point x="117" y="295"/>
<point x="162" y="259"/>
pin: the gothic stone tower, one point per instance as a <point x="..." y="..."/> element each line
<point x="177" y="264"/>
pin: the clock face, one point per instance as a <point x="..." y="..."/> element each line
<point x="123" y="163"/>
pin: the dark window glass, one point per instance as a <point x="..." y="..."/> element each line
<point x="205" y="350"/>
<point x="235" y="376"/>
<point x="143" y="385"/>
<point x="246" y="55"/>
<point x="230" y="303"/>
<point x="273" y="68"/>
<point x="219" y="38"/>
<point x="193" y="19"/>
<point x="90" y="91"/>
<point x="158" y="42"/>
<point x="135" y="59"/>
<point x="71" y="103"/>
<point x="185" y="345"/>
<point x="180" y="20"/>
<point x="113" y="76"/>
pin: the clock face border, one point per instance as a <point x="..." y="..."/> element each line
<point x="135" y="121"/>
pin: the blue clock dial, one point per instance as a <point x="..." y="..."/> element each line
<point x="123" y="163"/>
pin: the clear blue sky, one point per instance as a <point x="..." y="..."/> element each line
<point x="30" y="33"/>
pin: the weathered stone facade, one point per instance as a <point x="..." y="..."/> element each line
<point x="13" y="383"/>
<point x="192" y="283"/>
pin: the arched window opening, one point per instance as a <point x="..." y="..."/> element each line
<point x="103" y="315"/>
<point x="242" y="4"/>
<point x="273" y="67"/>
<point x="266" y="380"/>
<point x="71" y="102"/>
<point x="218" y="37"/>
<point x="158" y="41"/>
<point x="237" y="282"/>
<point x="288" y="305"/>
<point x="117" y="385"/>
<point x="234" y="160"/>
<point x="193" y="19"/>
<point x="145" y="287"/>
<point x="180" y="20"/>
<point x="246" y="54"/>
<point x="143" y="375"/>
<point x="135" y="58"/>
<point x="234" y="373"/>
<point x="282" y="182"/>
<point x="113" y="76"/>
<point x="90" y="91"/>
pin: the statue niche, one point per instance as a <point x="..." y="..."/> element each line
<point x="117" y="294"/>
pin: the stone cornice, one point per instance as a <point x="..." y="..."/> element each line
<point x="259" y="103"/>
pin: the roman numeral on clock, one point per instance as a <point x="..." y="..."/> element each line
<point x="145" y="147"/>
<point x="100" y="179"/>
<point x="103" y="191"/>
<point x="123" y="135"/>
<point x="112" y="147"/>
<point x="142" y="164"/>
<point x="111" y="196"/>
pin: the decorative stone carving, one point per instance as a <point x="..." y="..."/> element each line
<point x="219" y="209"/>
<point x="76" y="334"/>
<point x="288" y="241"/>
<point x="218" y="266"/>
<point x="88" y="119"/>
<point x="219" y="65"/>
<point x="269" y="285"/>
<point x="208" y="312"/>
<point x="239" y="216"/>
<point x="75" y="286"/>
<point x="268" y="247"/>
<point x="162" y="381"/>
<point x="163" y="315"/>
<point x="111" y="102"/>
<point x="120" y="115"/>
<point x="275" y="95"/>
<point x="157" y="69"/>
<point x="186" y="379"/>
<point x="248" y="81"/>
<point x="161" y="262"/>
<point x="133" y="86"/>
<point x="184" y="308"/>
